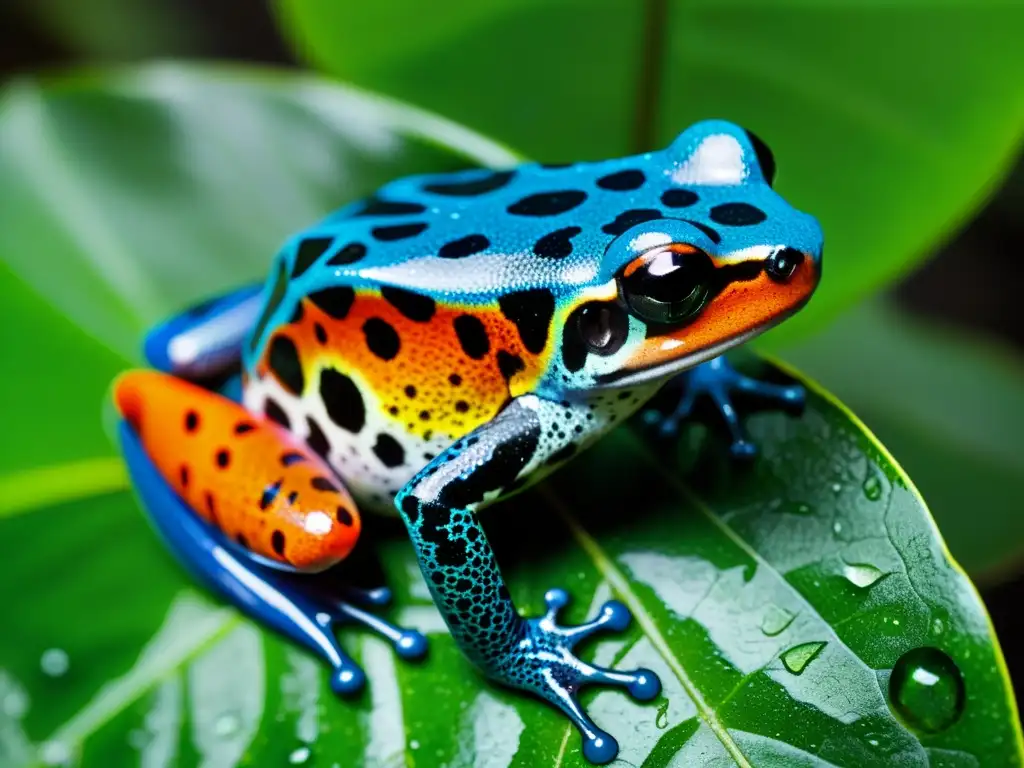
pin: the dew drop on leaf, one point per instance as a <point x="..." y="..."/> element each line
<point x="776" y="620"/>
<point x="798" y="657"/>
<point x="54" y="662"/>
<point x="300" y="756"/>
<point x="872" y="488"/>
<point x="926" y="690"/>
<point x="55" y="753"/>
<point x="226" y="725"/>
<point x="861" y="575"/>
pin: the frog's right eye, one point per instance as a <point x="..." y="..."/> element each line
<point x="667" y="285"/>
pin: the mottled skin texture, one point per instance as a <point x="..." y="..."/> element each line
<point x="455" y="338"/>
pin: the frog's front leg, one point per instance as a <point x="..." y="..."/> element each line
<point x="438" y="506"/>
<point x="719" y="381"/>
<point x="251" y="514"/>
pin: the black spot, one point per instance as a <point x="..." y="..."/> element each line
<point x="310" y="249"/>
<point x="737" y="214"/>
<point x="555" y="166"/>
<point x="414" y="306"/>
<point x="509" y="364"/>
<point x="623" y="181"/>
<point x="389" y="450"/>
<point x="211" y="507"/>
<point x="461" y="406"/>
<point x="411" y="509"/>
<point x="291" y="457"/>
<point x="505" y="463"/>
<point x="531" y="312"/>
<point x="223" y="458"/>
<point x="242" y="541"/>
<point x="277" y="543"/>
<point x="285" y="364"/>
<point x="343" y="402"/>
<point x="424" y="415"/>
<point x="276" y="413"/>
<point x="183" y="475"/>
<point x="343" y="515"/>
<point x="471" y="188"/>
<point x="381" y="338"/>
<point x="297" y="313"/>
<point x="679" y="198"/>
<point x="375" y="207"/>
<point x="563" y="454"/>
<point x="455" y="380"/>
<point x="398" y="231"/>
<point x="557" y="244"/>
<point x="548" y="203"/>
<point x="410" y="391"/>
<point x="269" y="494"/>
<point x="335" y="302"/>
<point x="711" y="233"/>
<point x="244" y="426"/>
<point x="277" y="293"/>
<point x="321" y="334"/>
<point x="465" y="246"/>
<point x="323" y="484"/>
<point x="628" y="219"/>
<point x="351" y="253"/>
<point x="191" y="421"/>
<point x="317" y="440"/>
<point x="292" y="497"/>
<point x="472" y="336"/>
<point x="765" y="158"/>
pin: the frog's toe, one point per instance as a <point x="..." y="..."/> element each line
<point x="544" y="661"/>
<point x="408" y="643"/>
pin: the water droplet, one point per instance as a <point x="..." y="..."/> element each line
<point x="938" y="627"/>
<point x="861" y="575"/>
<point x="300" y="756"/>
<point x="801" y="508"/>
<point x="226" y="725"/>
<point x="15" y="704"/>
<point x="926" y="690"/>
<point x="798" y="657"/>
<point x="414" y="744"/>
<point x="54" y="662"/>
<point x="837" y="527"/>
<point x="55" y="753"/>
<point x="837" y="488"/>
<point x="662" y="719"/>
<point x="776" y="620"/>
<point x="872" y="488"/>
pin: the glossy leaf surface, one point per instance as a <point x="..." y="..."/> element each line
<point x="772" y="601"/>
<point x="878" y="128"/>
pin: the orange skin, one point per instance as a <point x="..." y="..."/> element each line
<point x="241" y="474"/>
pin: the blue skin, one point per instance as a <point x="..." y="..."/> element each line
<point x="700" y="191"/>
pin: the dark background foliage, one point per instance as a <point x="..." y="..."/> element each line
<point x="973" y="281"/>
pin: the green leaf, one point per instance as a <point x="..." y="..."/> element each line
<point x="145" y="187"/>
<point x="950" y="405"/>
<point x="891" y="122"/>
<point x="773" y="602"/>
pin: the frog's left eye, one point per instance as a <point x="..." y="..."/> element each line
<point x="670" y="284"/>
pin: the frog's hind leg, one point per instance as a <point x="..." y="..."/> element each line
<point x="719" y="381"/>
<point x="252" y="515"/>
<point x="204" y="343"/>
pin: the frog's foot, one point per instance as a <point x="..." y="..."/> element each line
<point x="543" y="662"/>
<point x="304" y="607"/>
<point x="719" y="381"/>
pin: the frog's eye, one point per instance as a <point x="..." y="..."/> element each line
<point x="667" y="285"/>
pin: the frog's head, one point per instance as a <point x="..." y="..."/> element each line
<point x="730" y="260"/>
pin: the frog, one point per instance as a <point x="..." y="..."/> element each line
<point x="439" y="346"/>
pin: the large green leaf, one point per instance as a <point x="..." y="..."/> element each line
<point x="890" y="121"/>
<point x="773" y="601"/>
<point x="951" y="405"/>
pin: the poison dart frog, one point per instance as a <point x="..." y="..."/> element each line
<point x="443" y="344"/>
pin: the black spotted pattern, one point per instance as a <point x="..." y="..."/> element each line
<point x="471" y="188"/>
<point x="472" y="336"/>
<point x="414" y="306"/>
<point x="270" y="493"/>
<point x="508" y="364"/>
<point x="630" y="218"/>
<point x="349" y="254"/>
<point x="381" y="338"/>
<point x="284" y="363"/>
<point x="277" y="543"/>
<point x="464" y="246"/>
<point x="389" y="450"/>
<point x="343" y="402"/>
<point x="531" y="312"/>
<point x="376" y="207"/>
<point x="548" y="203"/>
<point x="398" y="231"/>
<point x="324" y="484"/>
<point x="623" y="181"/>
<point x="191" y="421"/>
<point x="765" y="158"/>
<point x="275" y="413"/>
<point x="737" y="214"/>
<point x="316" y="439"/>
<point x="557" y="244"/>
<point x="310" y="249"/>
<point x="679" y="198"/>
<point x="334" y="302"/>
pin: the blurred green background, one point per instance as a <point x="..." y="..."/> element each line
<point x="933" y="364"/>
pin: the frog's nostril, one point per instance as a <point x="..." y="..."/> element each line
<point x="783" y="264"/>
